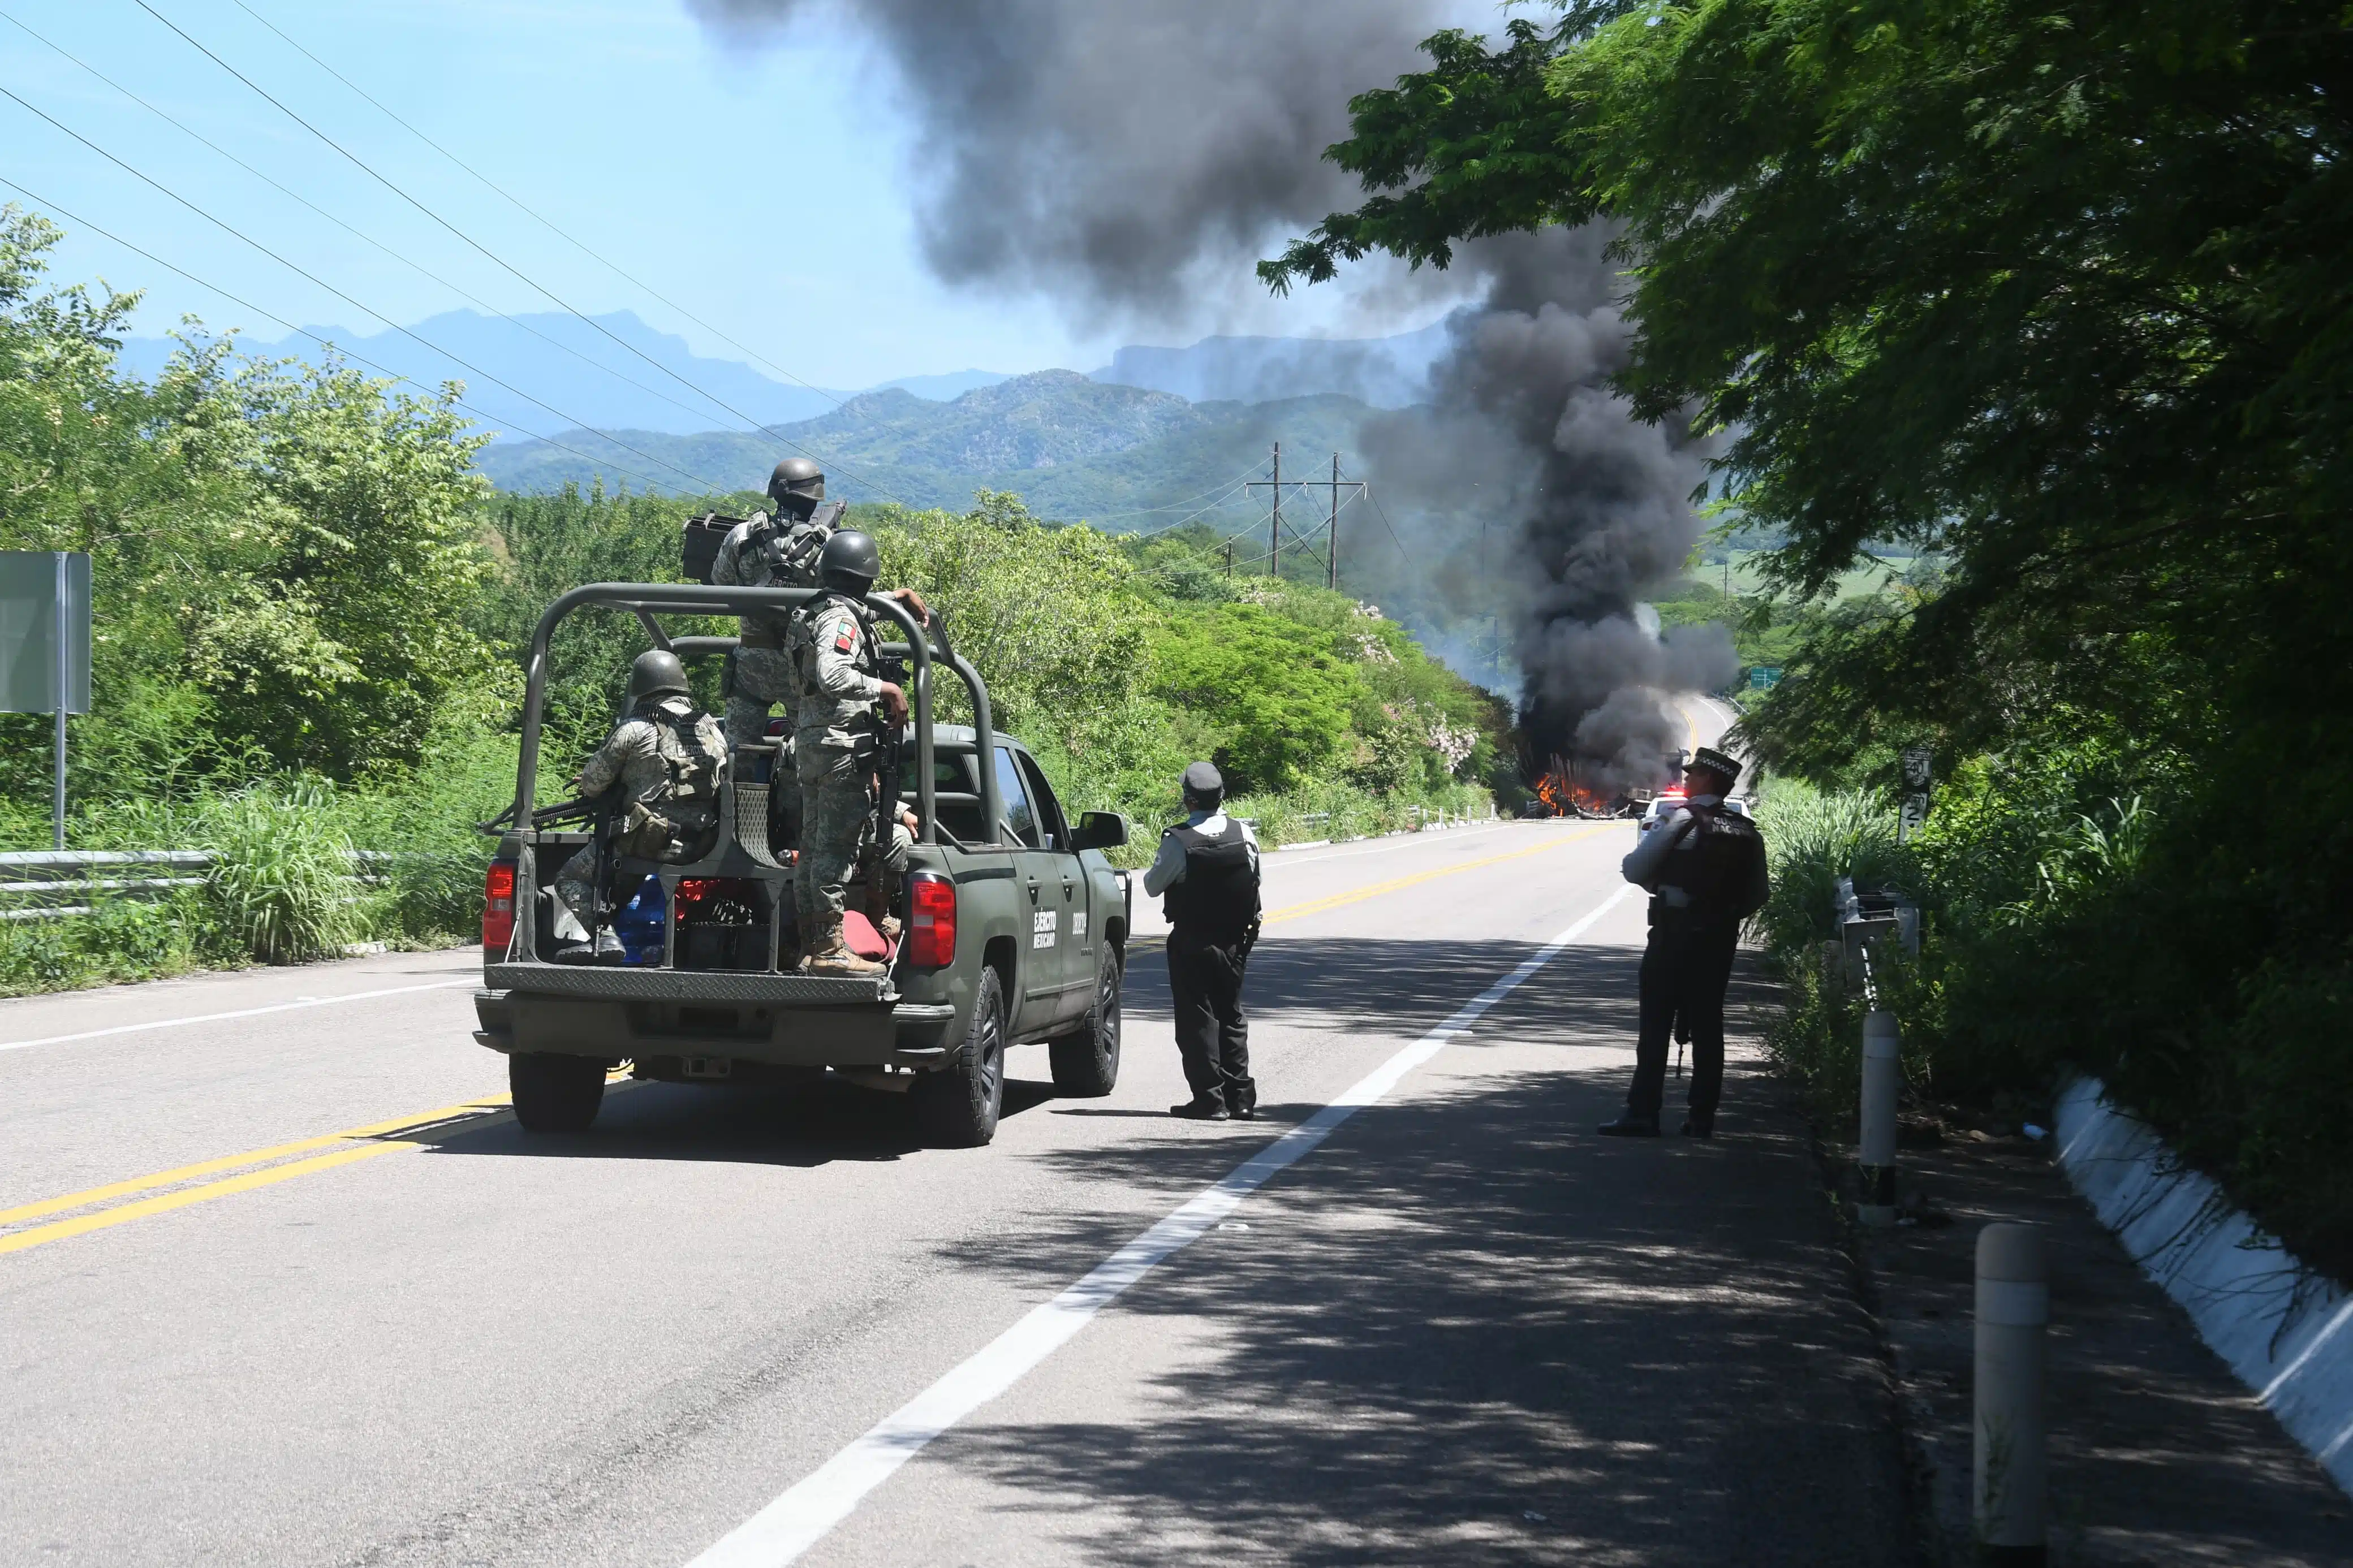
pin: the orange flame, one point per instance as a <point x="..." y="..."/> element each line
<point x="1567" y="795"/>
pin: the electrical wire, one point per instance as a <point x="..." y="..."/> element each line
<point x="562" y="304"/>
<point x="418" y="268"/>
<point x="1225" y="489"/>
<point x="1382" y="512"/>
<point x="519" y="205"/>
<point x="321" y="283"/>
<point x="38" y="201"/>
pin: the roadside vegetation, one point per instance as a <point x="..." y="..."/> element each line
<point x="2053" y="299"/>
<point x="309" y="611"/>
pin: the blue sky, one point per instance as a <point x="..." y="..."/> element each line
<point x="763" y="190"/>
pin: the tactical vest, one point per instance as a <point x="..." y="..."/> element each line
<point x="1717" y="871"/>
<point x="1217" y="899"/>
<point x="815" y="620"/>
<point x="780" y="555"/>
<point x="693" y="750"/>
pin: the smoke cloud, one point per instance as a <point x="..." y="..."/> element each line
<point x="1128" y="160"/>
<point x="1523" y="418"/>
<point x="1126" y="157"/>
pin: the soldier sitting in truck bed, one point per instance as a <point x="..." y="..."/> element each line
<point x="666" y="757"/>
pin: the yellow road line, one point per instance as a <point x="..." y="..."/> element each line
<point x="124" y="1213"/>
<point x="1318" y="906"/>
<point x="251" y="1157"/>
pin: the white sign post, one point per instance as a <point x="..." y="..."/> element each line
<point x="45" y="646"/>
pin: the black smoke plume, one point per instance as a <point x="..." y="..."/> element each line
<point x="1129" y="159"/>
<point x="1125" y="157"/>
<point x="1522" y="421"/>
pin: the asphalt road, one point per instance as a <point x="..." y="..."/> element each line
<point x="286" y="1286"/>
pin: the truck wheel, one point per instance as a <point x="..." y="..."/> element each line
<point x="1086" y="1060"/>
<point x="555" y="1094"/>
<point x="957" y="1105"/>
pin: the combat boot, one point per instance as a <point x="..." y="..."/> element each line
<point x="827" y="954"/>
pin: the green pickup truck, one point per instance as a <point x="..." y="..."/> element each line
<point x="1015" y="924"/>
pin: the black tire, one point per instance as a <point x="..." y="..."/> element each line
<point x="555" y="1094"/>
<point x="958" y="1106"/>
<point x="1086" y="1060"/>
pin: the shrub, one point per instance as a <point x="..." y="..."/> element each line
<point x="281" y="880"/>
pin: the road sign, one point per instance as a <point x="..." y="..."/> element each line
<point x="1764" y="677"/>
<point x="1917" y="762"/>
<point x="1915" y="812"/>
<point x="44" y="645"/>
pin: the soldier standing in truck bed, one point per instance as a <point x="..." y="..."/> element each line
<point x="777" y="551"/>
<point x="837" y="662"/>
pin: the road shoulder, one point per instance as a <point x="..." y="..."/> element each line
<point x="2158" y="1453"/>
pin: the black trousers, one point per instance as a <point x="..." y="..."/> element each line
<point x="1685" y="969"/>
<point x="1204" y="983"/>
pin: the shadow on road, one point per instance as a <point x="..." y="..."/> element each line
<point x="1467" y="1331"/>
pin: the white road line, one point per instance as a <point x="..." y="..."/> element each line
<point x="800" y="1518"/>
<point x="240" y="1013"/>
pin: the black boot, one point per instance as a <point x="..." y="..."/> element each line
<point x="1699" y="1127"/>
<point x="1629" y="1125"/>
<point x="1241" y="1100"/>
<point x="1207" y="1109"/>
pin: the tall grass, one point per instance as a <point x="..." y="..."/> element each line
<point x="282" y="878"/>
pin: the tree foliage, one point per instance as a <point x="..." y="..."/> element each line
<point x="2053" y="295"/>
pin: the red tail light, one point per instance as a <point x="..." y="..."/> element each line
<point x="930" y="921"/>
<point x="498" y="905"/>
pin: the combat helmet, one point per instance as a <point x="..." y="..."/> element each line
<point x="796" y="487"/>
<point x="850" y="562"/>
<point x="655" y="672"/>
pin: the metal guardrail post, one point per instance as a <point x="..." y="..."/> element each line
<point x="1883" y="1045"/>
<point x="2009" y="1474"/>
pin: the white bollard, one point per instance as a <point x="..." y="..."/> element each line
<point x="1881" y="1076"/>
<point x="2009" y="1465"/>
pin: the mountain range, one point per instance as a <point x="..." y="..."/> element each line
<point x="1074" y="448"/>
<point x="541" y="373"/>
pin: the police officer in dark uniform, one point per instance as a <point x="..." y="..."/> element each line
<point x="1704" y="869"/>
<point x="1208" y="868"/>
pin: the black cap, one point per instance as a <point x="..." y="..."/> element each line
<point x="1202" y="781"/>
<point x="1716" y="763"/>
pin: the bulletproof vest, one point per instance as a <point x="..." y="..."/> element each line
<point x="692" y="749"/>
<point x="815" y="620"/>
<point x="1716" y="870"/>
<point x="781" y="555"/>
<point x="1217" y="896"/>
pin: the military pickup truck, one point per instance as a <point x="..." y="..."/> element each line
<point x="1015" y="924"/>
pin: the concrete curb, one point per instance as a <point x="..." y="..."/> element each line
<point x="2287" y="1331"/>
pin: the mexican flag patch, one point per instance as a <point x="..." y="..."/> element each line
<point x="845" y="637"/>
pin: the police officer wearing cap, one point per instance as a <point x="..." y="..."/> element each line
<point x="1208" y="868"/>
<point x="1704" y="869"/>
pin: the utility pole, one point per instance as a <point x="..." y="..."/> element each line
<point x="1274" y="517"/>
<point x="1332" y="538"/>
<point x="1275" y="520"/>
<point x="1230" y="560"/>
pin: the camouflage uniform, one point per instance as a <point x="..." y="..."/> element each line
<point x="667" y="756"/>
<point x="834" y="652"/>
<point x="765" y="553"/>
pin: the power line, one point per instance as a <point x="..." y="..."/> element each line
<point x="363" y="166"/>
<point x="271" y="315"/>
<point x="1169" y="527"/>
<point x="1382" y="512"/>
<point x="1222" y="490"/>
<point x="339" y="294"/>
<point x="296" y="195"/>
<point x="519" y="205"/>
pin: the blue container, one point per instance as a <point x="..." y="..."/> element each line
<point x="640" y="924"/>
